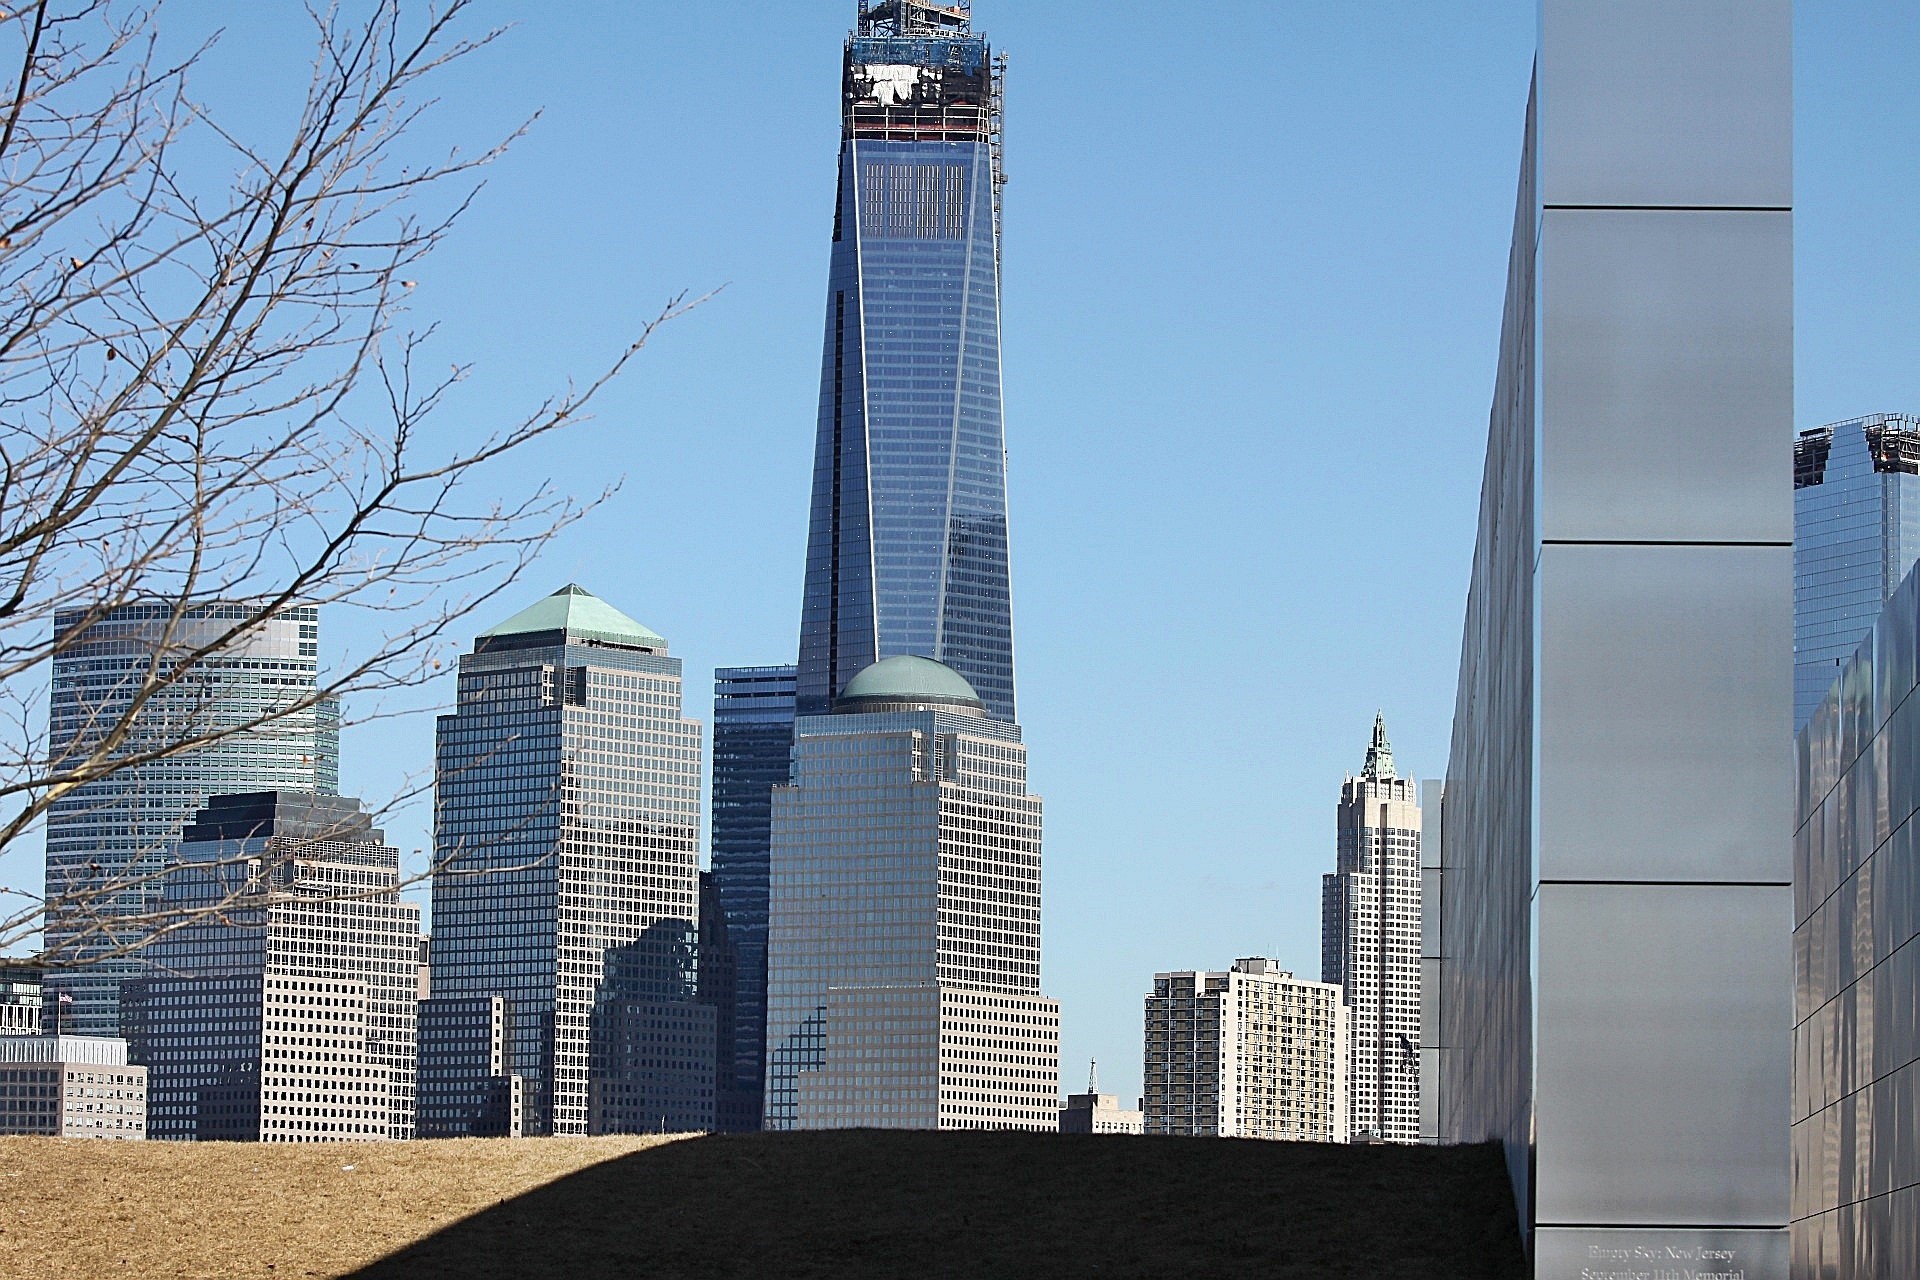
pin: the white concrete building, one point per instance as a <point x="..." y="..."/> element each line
<point x="1250" y="1053"/>
<point x="1370" y="944"/>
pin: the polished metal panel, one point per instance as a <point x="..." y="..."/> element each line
<point x="1669" y="387"/>
<point x="1664" y="703"/>
<point x="1567" y="1253"/>
<point x="1623" y="711"/>
<point x="1649" y="102"/>
<point x="1661" y="1054"/>
<point x="1486" y="1012"/>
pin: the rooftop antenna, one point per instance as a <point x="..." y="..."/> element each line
<point x="1093" y="1075"/>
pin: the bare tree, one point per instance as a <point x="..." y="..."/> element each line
<point x="211" y="409"/>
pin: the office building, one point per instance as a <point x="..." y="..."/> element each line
<point x="1097" y="1112"/>
<point x="1856" y="879"/>
<point x="464" y="1089"/>
<point x="752" y="754"/>
<point x="106" y="838"/>
<point x="1856" y="532"/>
<point x="907" y="540"/>
<point x="1370" y="944"/>
<point x="566" y="840"/>
<point x="282" y="1008"/>
<point x="903" y="938"/>
<point x="1250" y="1053"/>
<point x="1615" y="982"/>
<point x="70" y="1087"/>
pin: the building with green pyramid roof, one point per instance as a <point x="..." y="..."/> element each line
<point x="565" y="894"/>
<point x="571" y="615"/>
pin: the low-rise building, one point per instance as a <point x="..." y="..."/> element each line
<point x="1250" y="1053"/>
<point x="1099" y="1113"/>
<point x="71" y="1087"/>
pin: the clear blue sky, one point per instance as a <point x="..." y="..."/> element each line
<point x="1253" y="277"/>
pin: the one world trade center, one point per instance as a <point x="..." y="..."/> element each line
<point x="907" y="542"/>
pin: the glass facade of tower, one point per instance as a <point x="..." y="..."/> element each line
<point x="107" y="839"/>
<point x="903" y="947"/>
<point x="907" y="543"/>
<point x="752" y="754"/>
<point x="1856" y="518"/>
<point x="566" y="834"/>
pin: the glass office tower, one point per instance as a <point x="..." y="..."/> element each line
<point x="752" y="753"/>
<point x="903" y="938"/>
<point x="566" y="836"/>
<point x="1856" y="532"/>
<point x="907" y="544"/>
<point x="107" y="839"/>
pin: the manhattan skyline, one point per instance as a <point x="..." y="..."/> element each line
<point x="1177" y="475"/>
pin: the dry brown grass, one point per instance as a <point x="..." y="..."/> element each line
<point x="90" y="1209"/>
<point x="812" y="1206"/>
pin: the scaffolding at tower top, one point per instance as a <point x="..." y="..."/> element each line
<point x="914" y="18"/>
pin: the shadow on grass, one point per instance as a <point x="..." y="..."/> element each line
<point x="865" y="1203"/>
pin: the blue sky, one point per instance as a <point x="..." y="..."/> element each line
<point x="1253" y="272"/>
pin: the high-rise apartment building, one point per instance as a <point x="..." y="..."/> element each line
<point x="1250" y="1053"/>
<point x="1370" y="945"/>
<point x="566" y="842"/>
<point x="907" y="543"/>
<point x="903" y="941"/>
<point x="282" y="1007"/>
<point x="107" y="838"/>
<point x="1856" y="532"/>
<point x="752" y="754"/>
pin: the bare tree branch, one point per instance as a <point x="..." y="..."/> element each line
<point x="211" y="408"/>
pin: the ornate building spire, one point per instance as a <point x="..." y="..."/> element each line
<point x="1379" y="765"/>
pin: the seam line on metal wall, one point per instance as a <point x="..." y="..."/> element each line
<point x="1661" y="1226"/>
<point x="1682" y="208"/>
<point x="1652" y="542"/>
<point x="1679" y="884"/>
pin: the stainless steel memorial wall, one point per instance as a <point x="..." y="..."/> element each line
<point x="1615" y="991"/>
<point x="1856" y="1086"/>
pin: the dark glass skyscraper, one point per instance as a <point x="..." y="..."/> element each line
<point x="1856" y="533"/>
<point x="752" y="750"/>
<point x="907" y="545"/>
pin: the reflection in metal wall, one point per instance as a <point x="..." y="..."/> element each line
<point x="1856" y="912"/>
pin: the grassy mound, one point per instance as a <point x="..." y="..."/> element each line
<point x="831" y="1204"/>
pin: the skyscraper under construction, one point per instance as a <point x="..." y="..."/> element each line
<point x="907" y="544"/>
